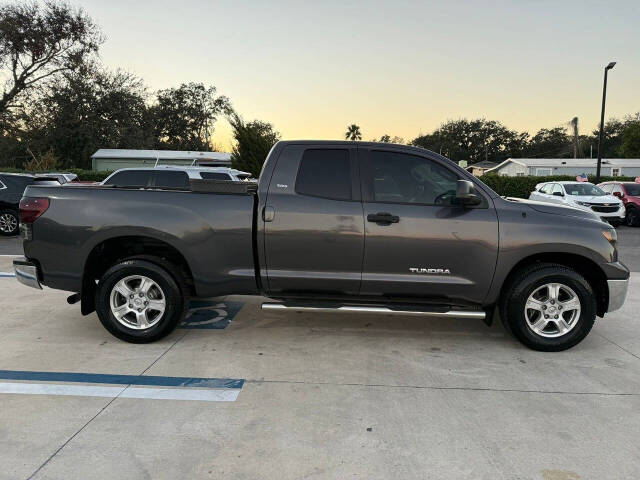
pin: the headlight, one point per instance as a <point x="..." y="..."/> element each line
<point x="584" y="204"/>
<point x="611" y="235"/>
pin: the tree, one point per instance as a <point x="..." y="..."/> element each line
<point x="630" y="147"/>
<point x="39" y="41"/>
<point x="389" y="139"/>
<point x="183" y="118"/>
<point x="82" y="112"/>
<point x="613" y="135"/>
<point x="253" y="141"/>
<point x="550" y="143"/>
<point x="473" y="140"/>
<point x="353" y="133"/>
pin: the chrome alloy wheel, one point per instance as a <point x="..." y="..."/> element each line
<point x="552" y="310"/>
<point x="8" y="223"/>
<point x="137" y="302"/>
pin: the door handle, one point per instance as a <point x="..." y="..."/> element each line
<point x="383" y="218"/>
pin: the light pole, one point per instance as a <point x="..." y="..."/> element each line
<point x="604" y="98"/>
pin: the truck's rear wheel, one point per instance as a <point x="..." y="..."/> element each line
<point x="549" y="307"/>
<point x="139" y="301"/>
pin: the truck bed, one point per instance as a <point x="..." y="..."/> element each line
<point x="210" y="229"/>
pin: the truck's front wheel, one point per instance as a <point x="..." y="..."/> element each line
<point x="549" y="307"/>
<point x="139" y="301"/>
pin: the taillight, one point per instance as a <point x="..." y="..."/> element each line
<point x="31" y="208"/>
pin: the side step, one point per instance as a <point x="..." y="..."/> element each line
<point x="281" y="307"/>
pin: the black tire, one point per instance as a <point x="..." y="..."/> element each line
<point x="632" y="218"/>
<point x="529" y="280"/>
<point x="9" y="218"/>
<point x="176" y="303"/>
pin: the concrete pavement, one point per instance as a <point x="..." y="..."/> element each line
<point x="325" y="396"/>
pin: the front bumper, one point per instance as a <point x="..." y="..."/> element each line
<point x="618" y="214"/>
<point x="617" y="294"/>
<point x="26" y="273"/>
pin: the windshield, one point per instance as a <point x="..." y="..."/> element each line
<point x="633" y="190"/>
<point x="583" y="189"/>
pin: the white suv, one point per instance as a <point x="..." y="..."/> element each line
<point x="171" y="176"/>
<point x="582" y="195"/>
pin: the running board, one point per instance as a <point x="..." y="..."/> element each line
<point x="281" y="307"/>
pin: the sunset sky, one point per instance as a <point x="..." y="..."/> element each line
<point x="396" y="67"/>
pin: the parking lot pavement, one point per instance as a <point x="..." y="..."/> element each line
<point x="316" y="395"/>
<point x="10" y="246"/>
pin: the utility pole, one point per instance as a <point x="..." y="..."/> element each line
<point x="604" y="98"/>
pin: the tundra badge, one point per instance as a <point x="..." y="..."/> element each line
<point x="437" y="271"/>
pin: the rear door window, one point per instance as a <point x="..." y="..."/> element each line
<point x="325" y="173"/>
<point x="131" y="178"/>
<point x="169" y="179"/>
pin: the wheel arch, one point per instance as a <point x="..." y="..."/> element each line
<point x="114" y="249"/>
<point x="583" y="265"/>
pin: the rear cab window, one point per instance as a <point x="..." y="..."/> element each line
<point x="131" y="178"/>
<point x="171" y="179"/>
<point x="215" y="176"/>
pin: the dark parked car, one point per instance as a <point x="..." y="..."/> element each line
<point x="333" y="227"/>
<point x="629" y="193"/>
<point x="12" y="186"/>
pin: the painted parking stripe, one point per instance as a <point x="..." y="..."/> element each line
<point x="7" y="275"/>
<point x="123" y="386"/>
<point x="223" y="395"/>
<point x="149" y="380"/>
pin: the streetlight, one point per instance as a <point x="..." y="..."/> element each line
<point x="604" y="97"/>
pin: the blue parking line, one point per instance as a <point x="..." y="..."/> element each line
<point x="100" y="378"/>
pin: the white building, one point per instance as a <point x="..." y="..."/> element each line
<point x="539" y="167"/>
<point x="114" y="159"/>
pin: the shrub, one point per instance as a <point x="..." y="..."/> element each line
<point x="522" y="186"/>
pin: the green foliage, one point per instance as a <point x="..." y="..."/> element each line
<point x="182" y="118"/>
<point x="474" y="141"/>
<point x="521" y="187"/>
<point x="39" y="41"/>
<point x="353" y="133"/>
<point x="630" y="147"/>
<point x="86" y="111"/>
<point x="253" y="143"/>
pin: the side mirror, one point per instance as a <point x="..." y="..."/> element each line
<point x="618" y="194"/>
<point x="558" y="194"/>
<point x="466" y="194"/>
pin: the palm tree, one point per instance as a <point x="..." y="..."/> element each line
<point x="353" y="133"/>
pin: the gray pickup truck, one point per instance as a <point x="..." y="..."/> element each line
<point x="332" y="227"/>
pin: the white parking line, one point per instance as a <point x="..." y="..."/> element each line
<point x="192" y="394"/>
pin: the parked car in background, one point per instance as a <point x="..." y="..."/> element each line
<point x="61" y="177"/>
<point x="12" y="186"/>
<point x="629" y="193"/>
<point x="582" y="195"/>
<point x="171" y="176"/>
